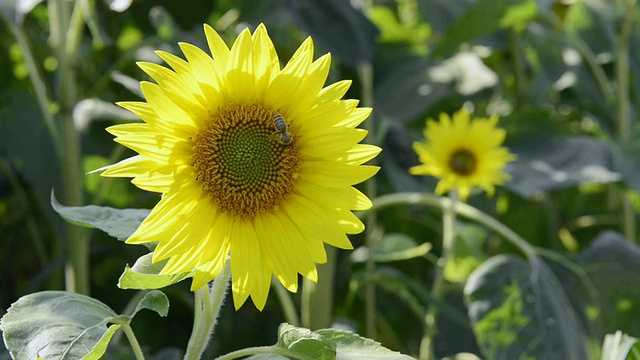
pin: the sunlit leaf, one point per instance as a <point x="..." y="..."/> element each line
<point x="119" y="223"/>
<point x="350" y="346"/>
<point x="146" y="275"/>
<point x="57" y="325"/>
<point x="304" y="343"/>
<point x="63" y="325"/>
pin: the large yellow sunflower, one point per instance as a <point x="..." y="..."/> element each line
<point x="463" y="153"/>
<point x="252" y="161"/>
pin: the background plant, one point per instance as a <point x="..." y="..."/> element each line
<point x="562" y="75"/>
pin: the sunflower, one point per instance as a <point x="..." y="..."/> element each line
<point x="463" y="153"/>
<point x="255" y="163"/>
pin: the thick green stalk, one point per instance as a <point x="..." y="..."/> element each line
<point x="317" y="298"/>
<point x="62" y="29"/>
<point x="365" y="74"/>
<point x="207" y="306"/>
<point x="437" y="288"/>
<point x="624" y="112"/>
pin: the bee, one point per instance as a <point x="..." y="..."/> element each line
<point x="286" y="139"/>
<point x="280" y="124"/>
<point x="281" y="130"/>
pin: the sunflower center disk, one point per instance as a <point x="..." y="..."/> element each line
<point x="462" y="162"/>
<point x="240" y="162"/>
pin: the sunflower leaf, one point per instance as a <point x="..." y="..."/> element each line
<point x="395" y="247"/>
<point x="305" y="344"/>
<point x="57" y="324"/>
<point x="119" y="223"/>
<point x="353" y="346"/>
<point x="145" y="275"/>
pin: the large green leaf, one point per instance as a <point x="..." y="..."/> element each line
<point x="350" y="346"/>
<point x="519" y="310"/>
<point x="304" y="343"/>
<point x="63" y="325"/>
<point x="326" y="344"/>
<point x="146" y="275"/>
<point x="612" y="264"/>
<point x="119" y="223"/>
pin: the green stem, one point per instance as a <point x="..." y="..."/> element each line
<point x="137" y="351"/>
<point x="62" y="30"/>
<point x="257" y="350"/>
<point x="519" y="68"/>
<point x="437" y="288"/>
<point x="317" y="298"/>
<point x="624" y="112"/>
<point x="207" y="307"/>
<point x="286" y="303"/>
<point x="365" y="74"/>
<point x="39" y="87"/>
<point x="462" y="209"/>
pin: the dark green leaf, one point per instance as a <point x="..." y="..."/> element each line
<point x="337" y="27"/>
<point x="57" y="325"/>
<point x="144" y="275"/>
<point x="612" y="264"/>
<point x="560" y="164"/>
<point x="630" y="159"/>
<point x="481" y="18"/>
<point x="520" y="310"/>
<point x="305" y="344"/>
<point x="119" y="223"/>
<point x="350" y="346"/>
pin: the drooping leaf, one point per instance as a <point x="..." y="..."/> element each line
<point x="145" y="275"/>
<point x="393" y="247"/>
<point x="57" y="325"/>
<point x="560" y="164"/>
<point x="520" y="310"/>
<point x="304" y="343"/>
<point x="350" y="346"/>
<point x="337" y="27"/>
<point x="119" y="223"/>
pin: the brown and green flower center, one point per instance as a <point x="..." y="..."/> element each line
<point x="463" y="162"/>
<point x="241" y="163"/>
